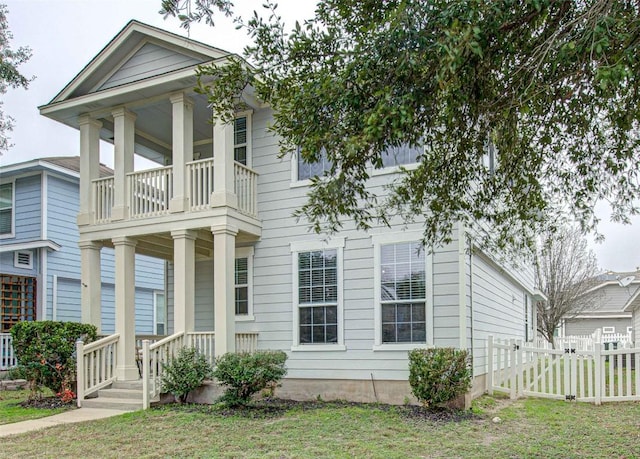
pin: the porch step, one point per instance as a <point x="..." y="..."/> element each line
<point x="124" y="404"/>
<point x="122" y="395"/>
<point x="129" y="394"/>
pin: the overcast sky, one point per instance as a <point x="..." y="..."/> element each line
<point x="65" y="35"/>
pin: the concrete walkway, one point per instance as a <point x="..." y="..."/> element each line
<point x="68" y="417"/>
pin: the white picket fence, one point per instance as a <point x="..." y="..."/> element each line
<point x="585" y="342"/>
<point x="7" y="356"/>
<point x="601" y="374"/>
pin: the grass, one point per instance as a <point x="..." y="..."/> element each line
<point x="11" y="411"/>
<point x="529" y="428"/>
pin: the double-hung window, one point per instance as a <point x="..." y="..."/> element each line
<point x="401" y="155"/>
<point x="242" y="139"/>
<point x="317" y="295"/>
<point x="160" y="308"/>
<point x="6" y="209"/>
<point x="403" y="307"/>
<point x="305" y="171"/>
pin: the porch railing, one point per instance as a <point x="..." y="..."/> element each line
<point x="246" y="189"/>
<point x="103" y="199"/>
<point x="96" y="364"/>
<point x="154" y="357"/>
<point x="7" y="356"/>
<point x="200" y="183"/>
<point x="150" y="192"/>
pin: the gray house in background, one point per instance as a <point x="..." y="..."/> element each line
<point x="611" y="310"/>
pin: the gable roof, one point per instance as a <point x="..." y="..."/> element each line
<point x="133" y="41"/>
<point x="68" y="165"/>
<point x="633" y="303"/>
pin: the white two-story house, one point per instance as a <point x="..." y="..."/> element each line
<point x="346" y="308"/>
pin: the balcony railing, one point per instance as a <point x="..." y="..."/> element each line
<point x="246" y="189"/>
<point x="103" y="192"/>
<point x="200" y="185"/>
<point x="151" y="191"/>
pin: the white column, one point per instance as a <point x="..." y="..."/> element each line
<point x="223" y="173"/>
<point x="125" y="307"/>
<point x="224" y="248"/>
<point x="182" y="149"/>
<point x="123" y="142"/>
<point x="184" y="280"/>
<point x="91" y="283"/>
<point x="89" y="166"/>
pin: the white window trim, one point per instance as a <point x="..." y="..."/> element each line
<point x="377" y="241"/>
<point x="155" y="312"/>
<point x="629" y="330"/>
<point x="610" y="331"/>
<point x="308" y="246"/>
<point x="248" y="114"/>
<point x="295" y="183"/>
<point x="12" y="234"/>
<point x="16" y="256"/>
<point x="394" y="169"/>
<point x="246" y="252"/>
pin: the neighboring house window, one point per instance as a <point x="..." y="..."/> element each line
<point x="17" y="300"/>
<point x="160" y="308"/>
<point x="23" y="259"/>
<point x="401" y="155"/>
<point x="629" y="330"/>
<point x="6" y="209"/>
<point x="490" y="159"/>
<point x="608" y="329"/>
<point x="243" y="283"/>
<point x="318" y="294"/>
<point x="403" y="310"/>
<point x="240" y="139"/>
<point x="309" y="170"/>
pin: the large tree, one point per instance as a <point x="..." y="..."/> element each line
<point x="565" y="271"/>
<point x="550" y="86"/>
<point x="10" y="76"/>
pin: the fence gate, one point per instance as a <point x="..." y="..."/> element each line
<point x="568" y="373"/>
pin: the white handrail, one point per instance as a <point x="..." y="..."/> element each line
<point x="96" y="365"/>
<point x="154" y="357"/>
<point x="200" y="183"/>
<point x="103" y="199"/>
<point x="150" y="192"/>
<point x="7" y="355"/>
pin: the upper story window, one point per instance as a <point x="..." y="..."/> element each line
<point x="318" y="294"/>
<point x="6" y="209"/>
<point x="240" y="136"/>
<point x="308" y="170"/>
<point x="401" y="155"/>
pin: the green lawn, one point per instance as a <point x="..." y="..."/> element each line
<point x="529" y="428"/>
<point x="11" y="411"/>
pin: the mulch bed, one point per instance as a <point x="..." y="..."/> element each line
<point x="47" y="403"/>
<point x="276" y="407"/>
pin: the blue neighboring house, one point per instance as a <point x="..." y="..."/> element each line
<point x="40" y="256"/>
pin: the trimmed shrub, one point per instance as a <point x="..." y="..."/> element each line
<point x="185" y="372"/>
<point x="439" y="375"/>
<point x="245" y="374"/>
<point x="46" y="353"/>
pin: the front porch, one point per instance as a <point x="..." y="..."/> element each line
<point x="98" y="361"/>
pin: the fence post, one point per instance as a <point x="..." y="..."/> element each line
<point x="520" y="362"/>
<point x="512" y="364"/>
<point x="598" y="379"/>
<point x="145" y="374"/>
<point x="80" y="372"/>
<point x="490" y="366"/>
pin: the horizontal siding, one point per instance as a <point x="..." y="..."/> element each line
<point x="588" y="326"/>
<point x="150" y="60"/>
<point x="498" y="309"/>
<point x="610" y="298"/>
<point x="62" y="199"/>
<point x="7" y="264"/>
<point x="28" y="208"/>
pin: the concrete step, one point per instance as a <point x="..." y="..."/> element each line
<point x="135" y="385"/>
<point x="124" y="404"/>
<point x="133" y="394"/>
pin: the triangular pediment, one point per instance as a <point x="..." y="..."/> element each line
<point x="138" y="52"/>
